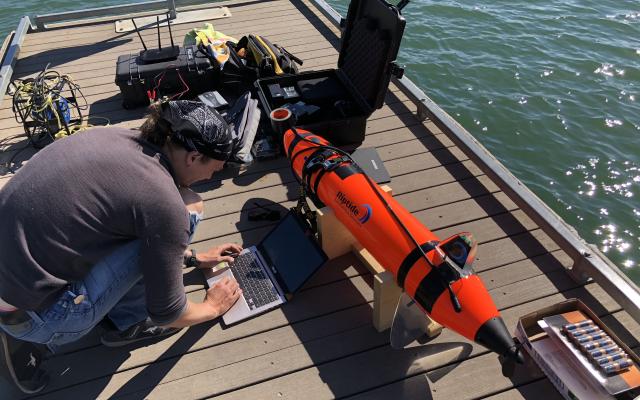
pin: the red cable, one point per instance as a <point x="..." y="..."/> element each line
<point x="185" y="85"/>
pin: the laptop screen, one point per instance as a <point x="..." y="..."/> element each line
<point x="293" y="251"/>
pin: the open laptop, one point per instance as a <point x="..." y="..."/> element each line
<point x="272" y="271"/>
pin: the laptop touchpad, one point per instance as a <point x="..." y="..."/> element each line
<point x="240" y="307"/>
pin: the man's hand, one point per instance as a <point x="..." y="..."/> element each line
<point x="222" y="295"/>
<point x="217" y="301"/>
<point x="215" y="255"/>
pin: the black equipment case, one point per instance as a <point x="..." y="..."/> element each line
<point x="190" y="72"/>
<point x="345" y="97"/>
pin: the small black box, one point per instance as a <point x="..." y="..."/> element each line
<point x="348" y="95"/>
<point x="135" y="78"/>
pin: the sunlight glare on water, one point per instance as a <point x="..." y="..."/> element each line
<point x="550" y="88"/>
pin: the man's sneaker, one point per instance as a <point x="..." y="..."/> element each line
<point x="141" y="331"/>
<point x="22" y="363"/>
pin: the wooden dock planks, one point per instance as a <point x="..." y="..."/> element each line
<point x="322" y="344"/>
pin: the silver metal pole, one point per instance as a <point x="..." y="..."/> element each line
<point x="9" y="60"/>
<point x="171" y="6"/>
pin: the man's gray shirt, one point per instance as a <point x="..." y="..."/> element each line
<point x="80" y="199"/>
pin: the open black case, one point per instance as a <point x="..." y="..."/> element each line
<point x="337" y="102"/>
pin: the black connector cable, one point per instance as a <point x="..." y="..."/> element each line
<point x="454" y="298"/>
<point x="47" y="107"/>
<point x="43" y="107"/>
<point x="266" y="214"/>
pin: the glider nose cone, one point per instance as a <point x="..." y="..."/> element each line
<point x="494" y="335"/>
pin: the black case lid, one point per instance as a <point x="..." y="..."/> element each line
<point x="370" y="43"/>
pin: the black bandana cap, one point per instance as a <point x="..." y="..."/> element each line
<point x="197" y="127"/>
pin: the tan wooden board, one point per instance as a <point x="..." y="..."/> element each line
<point x="401" y="165"/>
<point x="250" y="7"/>
<point x="203" y="357"/>
<point x="107" y="27"/>
<point x="336" y="270"/>
<point x="277" y="34"/>
<point x="378" y="137"/>
<point x="404" y="164"/>
<point x="309" y="304"/>
<point x="276" y="196"/>
<point x="269" y="22"/>
<point x="496" y="226"/>
<point x="404" y="183"/>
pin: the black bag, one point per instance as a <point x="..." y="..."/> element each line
<point x="271" y="59"/>
<point x="243" y="119"/>
<point x="255" y="57"/>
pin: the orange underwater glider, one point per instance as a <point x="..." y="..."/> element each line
<point x="436" y="274"/>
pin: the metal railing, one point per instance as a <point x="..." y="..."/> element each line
<point x="10" y="56"/>
<point x="48" y="21"/>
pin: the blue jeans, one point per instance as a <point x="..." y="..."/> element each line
<point x="113" y="288"/>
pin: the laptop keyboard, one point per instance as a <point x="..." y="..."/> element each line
<point x="256" y="286"/>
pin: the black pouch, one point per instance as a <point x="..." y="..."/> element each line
<point x="271" y="59"/>
<point x="264" y="59"/>
<point x="255" y="57"/>
<point x="238" y="73"/>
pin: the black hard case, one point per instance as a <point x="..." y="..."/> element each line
<point x="135" y="78"/>
<point x="369" y="46"/>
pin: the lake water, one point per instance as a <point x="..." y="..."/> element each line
<point x="550" y="88"/>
